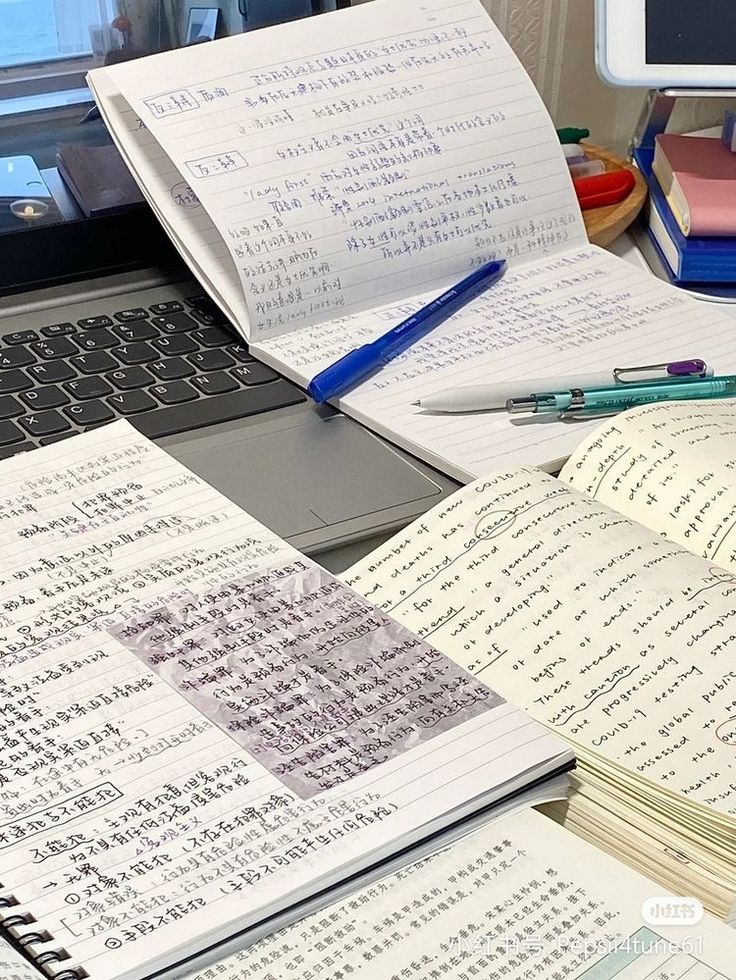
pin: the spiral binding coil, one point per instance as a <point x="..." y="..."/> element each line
<point x="11" y="928"/>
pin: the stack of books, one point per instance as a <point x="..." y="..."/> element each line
<point x="690" y="219"/>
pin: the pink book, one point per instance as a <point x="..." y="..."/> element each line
<point x="698" y="177"/>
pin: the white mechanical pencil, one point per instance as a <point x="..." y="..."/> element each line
<point x="483" y="398"/>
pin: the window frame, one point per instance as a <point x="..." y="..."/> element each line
<point x="62" y="72"/>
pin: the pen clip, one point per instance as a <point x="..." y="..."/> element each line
<point x="568" y="415"/>
<point x="667" y="371"/>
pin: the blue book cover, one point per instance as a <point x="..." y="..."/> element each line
<point x="692" y="259"/>
<point x="659" y="266"/>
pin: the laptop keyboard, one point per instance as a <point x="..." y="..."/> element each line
<point x="170" y="367"/>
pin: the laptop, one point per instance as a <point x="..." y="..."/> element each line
<point x="99" y="320"/>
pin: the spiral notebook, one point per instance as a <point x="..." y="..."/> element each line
<point x="202" y="730"/>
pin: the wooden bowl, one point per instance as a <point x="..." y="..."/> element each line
<point x="605" y="224"/>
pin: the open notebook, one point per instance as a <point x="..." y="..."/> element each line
<point x="603" y="602"/>
<point x="325" y="178"/>
<point x="202" y="730"/>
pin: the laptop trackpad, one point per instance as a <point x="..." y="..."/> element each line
<point x="305" y="473"/>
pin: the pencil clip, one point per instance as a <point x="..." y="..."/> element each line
<point x="573" y="417"/>
<point x="667" y="371"/>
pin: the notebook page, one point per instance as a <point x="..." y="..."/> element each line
<point x="154" y="638"/>
<point x="521" y="896"/>
<point x="609" y="634"/>
<point x="670" y="467"/>
<point x="174" y="202"/>
<point x="13" y="966"/>
<point x="578" y="312"/>
<point x="356" y="160"/>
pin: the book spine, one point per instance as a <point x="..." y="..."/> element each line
<point x="672" y="193"/>
<point x="678" y="206"/>
<point x="706" y="260"/>
<point x="23" y="932"/>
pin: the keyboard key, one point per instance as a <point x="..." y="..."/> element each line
<point x="216" y="383"/>
<point x="162" y="309"/>
<point x="131" y="402"/>
<point x="44" y="423"/>
<point x="91" y="387"/>
<point x="254" y="374"/>
<point x="98" y="362"/>
<point x="93" y="322"/>
<point x="199" y="300"/>
<point x="10" y="433"/>
<point x="174" y="392"/>
<point x="174" y="323"/>
<point x="90" y="413"/>
<point x="205" y="305"/>
<point x="211" y="360"/>
<point x="57" y="438"/>
<point x="240" y="351"/>
<point x="40" y="399"/>
<point x="14" y="381"/>
<point x="20" y="447"/>
<point x="52" y="373"/>
<point x="97" y="340"/>
<point x="130" y="316"/>
<point x="175" y="346"/>
<point x="136" y="331"/>
<point x="218" y="408"/>
<point x="54" y="347"/>
<point x="138" y="353"/>
<point x="132" y="377"/>
<point x="10" y="407"/>
<point x="58" y="329"/>
<point x="208" y="318"/>
<point x="172" y="368"/>
<point x="20" y="337"/>
<point x="15" y="357"/>
<point x="213" y="337"/>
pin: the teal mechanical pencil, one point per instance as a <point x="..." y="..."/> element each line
<point x="616" y="398"/>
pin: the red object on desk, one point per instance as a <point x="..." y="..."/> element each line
<point x="604" y="189"/>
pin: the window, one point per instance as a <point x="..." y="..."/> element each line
<point x="42" y="31"/>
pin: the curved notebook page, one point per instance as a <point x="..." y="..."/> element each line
<point x="173" y="201"/>
<point x="670" y="466"/>
<point x="353" y="161"/>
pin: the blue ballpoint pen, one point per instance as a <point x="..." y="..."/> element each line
<point x="616" y="398"/>
<point x="357" y="365"/>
